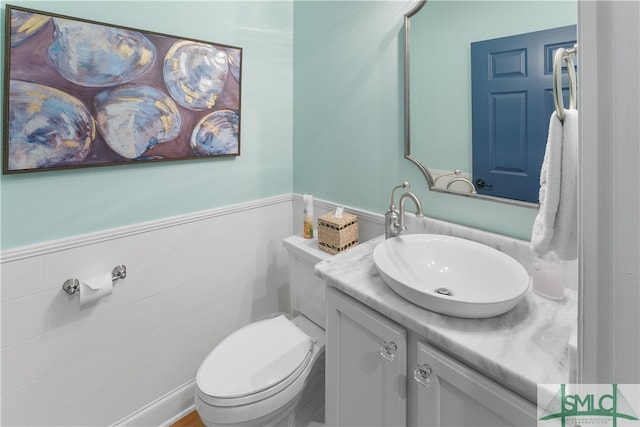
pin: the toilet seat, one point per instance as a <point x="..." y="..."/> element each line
<point x="233" y="376"/>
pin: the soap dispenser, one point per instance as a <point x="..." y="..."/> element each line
<point x="308" y="216"/>
<point x="549" y="276"/>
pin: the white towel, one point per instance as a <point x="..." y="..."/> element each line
<point x="555" y="228"/>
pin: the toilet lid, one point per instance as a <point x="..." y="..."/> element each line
<point x="254" y="358"/>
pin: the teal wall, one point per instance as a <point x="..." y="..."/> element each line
<point x="348" y="115"/>
<point x="37" y="207"/>
<point x="335" y="132"/>
<point x="348" y="104"/>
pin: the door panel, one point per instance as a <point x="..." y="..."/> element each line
<point x="512" y="102"/>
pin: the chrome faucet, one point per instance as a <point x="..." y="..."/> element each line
<point x="394" y="219"/>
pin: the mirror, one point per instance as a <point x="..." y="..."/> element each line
<point x="438" y="83"/>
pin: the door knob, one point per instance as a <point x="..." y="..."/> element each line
<point x="481" y="184"/>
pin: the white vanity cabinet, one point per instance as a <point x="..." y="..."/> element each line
<point x="379" y="374"/>
<point x="366" y="365"/>
<point x="444" y="392"/>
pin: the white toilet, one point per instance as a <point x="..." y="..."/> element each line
<point x="271" y="372"/>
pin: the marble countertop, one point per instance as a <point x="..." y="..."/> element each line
<point x="520" y="349"/>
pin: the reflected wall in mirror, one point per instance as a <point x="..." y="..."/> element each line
<point x="438" y="81"/>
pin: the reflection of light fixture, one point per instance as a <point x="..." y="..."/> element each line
<point x="454" y="172"/>
<point x="461" y="179"/>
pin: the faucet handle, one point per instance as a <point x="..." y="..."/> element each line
<point x="405" y="185"/>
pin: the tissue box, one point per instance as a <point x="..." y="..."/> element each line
<point x="336" y="235"/>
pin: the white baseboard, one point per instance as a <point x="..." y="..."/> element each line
<point x="165" y="410"/>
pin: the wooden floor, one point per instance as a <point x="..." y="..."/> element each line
<point x="190" y="420"/>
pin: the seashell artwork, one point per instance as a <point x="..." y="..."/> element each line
<point x="82" y="93"/>
<point x="216" y="133"/>
<point x="195" y="74"/>
<point x="107" y="56"/>
<point x="25" y="25"/>
<point x="134" y="118"/>
<point x="234" y="63"/>
<point x="46" y="127"/>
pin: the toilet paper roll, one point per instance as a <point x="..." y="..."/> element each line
<point x="94" y="288"/>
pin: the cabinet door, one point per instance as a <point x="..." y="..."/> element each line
<point x="454" y="395"/>
<point x="366" y="365"/>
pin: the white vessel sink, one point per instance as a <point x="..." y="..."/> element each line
<point x="450" y="275"/>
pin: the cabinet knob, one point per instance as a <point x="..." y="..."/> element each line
<point x="387" y="350"/>
<point x="422" y="374"/>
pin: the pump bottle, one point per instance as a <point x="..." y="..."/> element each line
<point x="308" y="216"/>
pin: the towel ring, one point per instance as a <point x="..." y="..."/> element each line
<point x="560" y="55"/>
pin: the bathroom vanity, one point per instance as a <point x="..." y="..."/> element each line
<point x="390" y="362"/>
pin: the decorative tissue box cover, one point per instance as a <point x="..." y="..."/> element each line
<point x="336" y="235"/>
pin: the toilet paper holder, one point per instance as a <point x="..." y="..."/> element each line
<point x="71" y="286"/>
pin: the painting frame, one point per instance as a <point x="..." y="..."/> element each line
<point x="80" y="93"/>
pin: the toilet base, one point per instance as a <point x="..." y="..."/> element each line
<point x="304" y="410"/>
<point x="310" y="408"/>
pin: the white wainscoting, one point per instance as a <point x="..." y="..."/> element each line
<point x="191" y="280"/>
<point x="131" y="358"/>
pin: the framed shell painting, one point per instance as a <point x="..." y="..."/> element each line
<point x="80" y="93"/>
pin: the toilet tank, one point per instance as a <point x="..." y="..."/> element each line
<point x="308" y="295"/>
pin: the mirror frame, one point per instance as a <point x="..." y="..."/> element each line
<point x="407" y="125"/>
